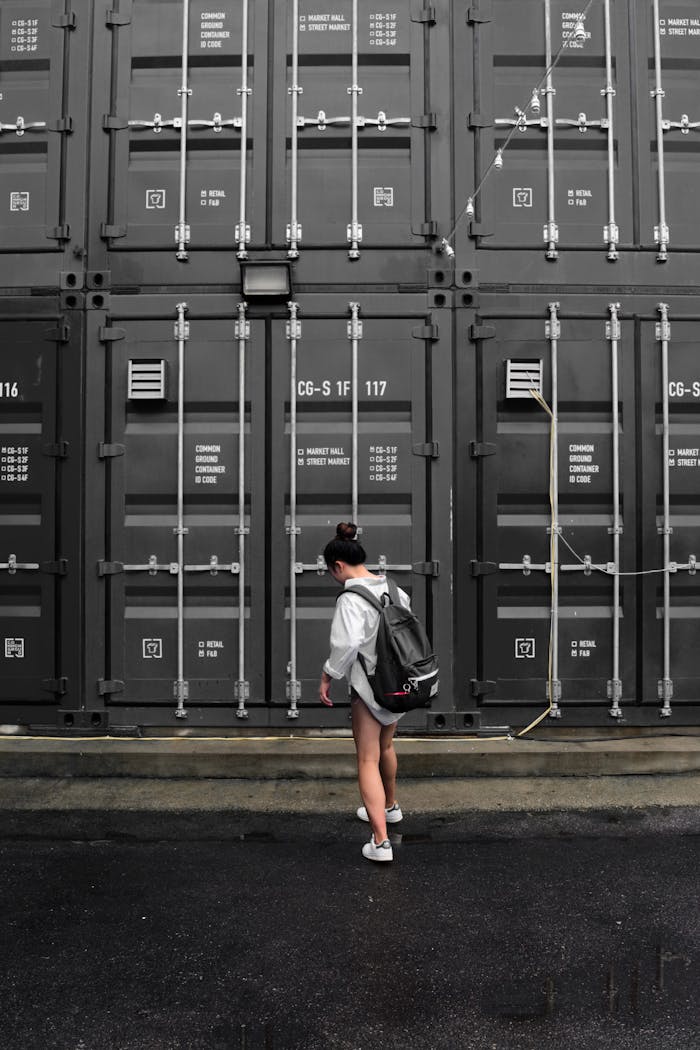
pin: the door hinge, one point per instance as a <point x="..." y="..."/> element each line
<point x="111" y="233"/>
<point x="105" y="451"/>
<point x="55" y="568"/>
<point x="430" y="449"/>
<point x="55" y="685"/>
<point x="426" y="331"/>
<point x="57" y="451"/>
<point x="108" y="334"/>
<point x="109" y="568"/>
<point x="58" y="233"/>
<point x="116" y="18"/>
<point x="479" y="120"/>
<point x="479" y="229"/>
<point x="65" y="21"/>
<point x="482" y="688"/>
<point x="481" y="448"/>
<point x="110" y="122"/>
<point x="60" y="334"/>
<point x="426" y="568"/>
<point x="426" y="229"/>
<point x="479" y="12"/>
<point x="106" y="686"/>
<point x="483" y="568"/>
<point x="64" y="125"/>
<point x="426" y="16"/>
<point x="481" y="331"/>
<point x="425" y="120"/>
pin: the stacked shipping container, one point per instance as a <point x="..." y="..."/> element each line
<point x="176" y="453"/>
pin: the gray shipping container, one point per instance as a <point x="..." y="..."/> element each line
<point x="176" y="451"/>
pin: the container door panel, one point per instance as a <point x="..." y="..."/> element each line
<point x="517" y="596"/>
<point x="519" y="201"/>
<point x="31" y="105"/>
<point x="143" y="542"/>
<point x="29" y="571"/>
<point x="683" y="610"/>
<point x="389" y="184"/>
<point x="679" y="50"/>
<point x="145" y="182"/>
<point x="391" y="374"/>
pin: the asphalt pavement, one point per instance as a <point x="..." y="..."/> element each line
<point x="221" y="929"/>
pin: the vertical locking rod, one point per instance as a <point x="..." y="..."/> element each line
<point x="661" y="232"/>
<point x="242" y="230"/>
<point x="293" y="330"/>
<point x="553" y="330"/>
<point x="355" y="333"/>
<point x="666" y="684"/>
<point x="242" y="331"/>
<point x="182" y="334"/>
<point x="294" y="232"/>
<point x="354" y="230"/>
<point x="551" y="231"/>
<point x="615" y="683"/>
<point x="182" y="233"/>
<point x="611" y="232"/>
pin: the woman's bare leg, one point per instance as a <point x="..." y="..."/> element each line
<point x="388" y="763"/>
<point x="366" y="730"/>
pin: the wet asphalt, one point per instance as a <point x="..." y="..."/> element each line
<point x="228" y="931"/>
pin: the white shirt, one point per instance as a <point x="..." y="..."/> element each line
<point x="353" y="632"/>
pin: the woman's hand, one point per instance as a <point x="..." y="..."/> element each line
<point x="323" y="690"/>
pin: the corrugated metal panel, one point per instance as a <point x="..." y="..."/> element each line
<point x="31" y="177"/>
<point x="620" y="611"/>
<point x="584" y="503"/>
<point x="670" y="125"/>
<point x="569" y="157"/>
<point x="39" y="559"/>
<point x="320" y="131"/>
<point x="183" y="477"/>
<point x="225" y="439"/>
<point x="355" y="126"/>
<point x="309" y="459"/>
<point x="44" y="70"/>
<point x="357" y="424"/>
<point x="180" y="84"/>
<point x="671" y="429"/>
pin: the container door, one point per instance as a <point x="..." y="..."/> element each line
<point x="568" y="160"/>
<point x="671" y="125"/>
<point x="181" y="95"/>
<point x="184" y="599"/>
<point x="332" y="466"/>
<point x="671" y="515"/>
<point x="31" y="125"/>
<point x="525" y="485"/>
<point x="352" y="124"/>
<point x="30" y="572"/>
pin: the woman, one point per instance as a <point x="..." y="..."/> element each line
<point x="353" y="633"/>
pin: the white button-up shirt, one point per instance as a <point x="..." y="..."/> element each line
<point x="353" y="632"/>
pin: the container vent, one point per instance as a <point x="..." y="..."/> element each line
<point x="147" y="381"/>
<point x="522" y="377"/>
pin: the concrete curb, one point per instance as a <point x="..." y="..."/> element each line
<point x="334" y="759"/>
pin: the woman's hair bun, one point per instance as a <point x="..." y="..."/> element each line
<point x="345" y="530"/>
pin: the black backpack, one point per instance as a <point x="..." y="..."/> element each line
<point x="406" y="675"/>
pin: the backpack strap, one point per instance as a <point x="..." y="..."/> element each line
<point x="365" y="593"/>
<point x="393" y="591"/>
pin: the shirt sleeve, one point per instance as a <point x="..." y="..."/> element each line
<point x="346" y="638"/>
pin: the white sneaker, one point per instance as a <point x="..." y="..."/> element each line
<point x="381" y="852"/>
<point x="393" y="814"/>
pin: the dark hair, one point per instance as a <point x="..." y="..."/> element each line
<point x="344" y="546"/>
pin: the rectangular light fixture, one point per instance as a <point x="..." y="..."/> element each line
<point x="265" y="279"/>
